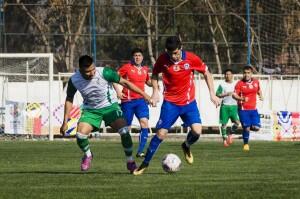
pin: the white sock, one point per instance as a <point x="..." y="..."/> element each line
<point x="129" y="158"/>
<point x="88" y="153"/>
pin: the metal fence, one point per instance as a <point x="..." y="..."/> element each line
<point x="215" y="30"/>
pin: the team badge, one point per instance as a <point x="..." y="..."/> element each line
<point x="186" y="66"/>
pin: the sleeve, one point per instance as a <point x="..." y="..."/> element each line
<point x="123" y="71"/>
<point x="198" y="64"/>
<point x="71" y="90"/>
<point x="157" y="66"/>
<point x="147" y="77"/>
<point x="258" y="86"/>
<point x="111" y="75"/>
<point x="219" y="90"/>
<point x="237" y="89"/>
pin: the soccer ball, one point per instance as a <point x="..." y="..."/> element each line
<point x="171" y="163"/>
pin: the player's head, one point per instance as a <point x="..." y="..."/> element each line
<point x="173" y="48"/>
<point x="137" y="56"/>
<point x="86" y="67"/>
<point x="247" y="72"/>
<point x="228" y="73"/>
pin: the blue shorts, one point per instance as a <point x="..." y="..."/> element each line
<point x="170" y="112"/>
<point x="137" y="107"/>
<point x="249" y="118"/>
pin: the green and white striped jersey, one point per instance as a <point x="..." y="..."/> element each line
<point x="97" y="92"/>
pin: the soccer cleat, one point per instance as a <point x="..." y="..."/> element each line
<point x="86" y="162"/>
<point x="229" y="139"/>
<point x="140" y="155"/>
<point x="246" y="147"/>
<point x="225" y="143"/>
<point x="141" y="169"/>
<point x="187" y="153"/>
<point x="131" y="166"/>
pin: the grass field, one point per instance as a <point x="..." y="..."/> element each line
<point x="51" y="170"/>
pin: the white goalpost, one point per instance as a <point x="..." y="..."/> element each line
<point x="26" y="81"/>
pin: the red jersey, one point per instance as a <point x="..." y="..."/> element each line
<point x="138" y="75"/>
<point x="178" y="78"/>
<point x="248" y="90"/>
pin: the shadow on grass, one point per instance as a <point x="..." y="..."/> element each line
<point x="74" y="173"/>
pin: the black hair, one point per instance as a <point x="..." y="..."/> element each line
<point x="136" y="50"/>
<point x="85" y="61"/>
<point x="173" y="43"/>
<point x="227" y="70"/>
<point x="248" y="67"/>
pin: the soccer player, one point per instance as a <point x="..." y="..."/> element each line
<point x="229" y="109"/>
<point x="99" y="103"/>
<point x="177" y="67"/>
<point x="132" y="103"/>
<point x="245" y="92"/>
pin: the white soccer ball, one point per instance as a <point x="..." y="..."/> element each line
<point x="171" y="163"/>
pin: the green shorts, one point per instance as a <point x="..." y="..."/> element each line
<point x="228" y="112"/>
<point x="94" y="117"/>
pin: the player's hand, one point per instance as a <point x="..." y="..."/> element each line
<point x="244" y="99"/>
<point x="229" y="93"/>
<point x="214" y="99"/>
<point x="155" y="99"/>
<point x="63" y="128"/>
<point x="148" y="100"/>
<point x="120" y="95"/>
<point x="261" y="98"/>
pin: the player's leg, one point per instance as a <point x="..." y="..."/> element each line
<point x="142" y="113"/>
<point x="191" y="117"/>
<point x="224" y="117"/>
<point x="246" y="123"/>
<point x="168" y="115"/>
<point x="113" y="117"/>
<point x="234" y="117"/>
<point x="88" y="121"/>
<point x="128" y="112"/>
<point x="255" y="118"/>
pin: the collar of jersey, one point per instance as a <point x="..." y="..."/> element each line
<point x="183" y="56"/>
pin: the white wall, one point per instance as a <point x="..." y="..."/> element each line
<point x="279" y="95"/>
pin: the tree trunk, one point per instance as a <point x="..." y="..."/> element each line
<point x="215" y="45"/>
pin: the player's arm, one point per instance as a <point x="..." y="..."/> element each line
<point x="111" y="75"/>
<point x="71" y="90"/>
<point x="120" y="95"/>
<point x="155" y="89"/>
<point x="149" y="83"/>
<point x="237" y="93"/>
<point x="260" y="95"/>
<point x="134" y="88"/>
<point x="210" y="84"/>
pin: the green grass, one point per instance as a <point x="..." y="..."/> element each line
<point x="51" y="170"/>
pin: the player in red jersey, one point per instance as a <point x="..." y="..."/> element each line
<point x="245" y="92"/>
<point x="133" y="103"/>
<point x="177" y="67"/>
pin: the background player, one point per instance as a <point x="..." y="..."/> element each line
<point x="133" y="103"/>
<point x="228" y="109"/>
<point x="177" y="67"/>
<point x="245" y="92"/>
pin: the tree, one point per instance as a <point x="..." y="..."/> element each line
<point x="62" y="17"/>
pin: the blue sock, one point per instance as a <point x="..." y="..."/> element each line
<point x="245" y="136"/>
<point x="143" y="139"/>
<point x="191" y="138"/>
<point x="153" y="146"/>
